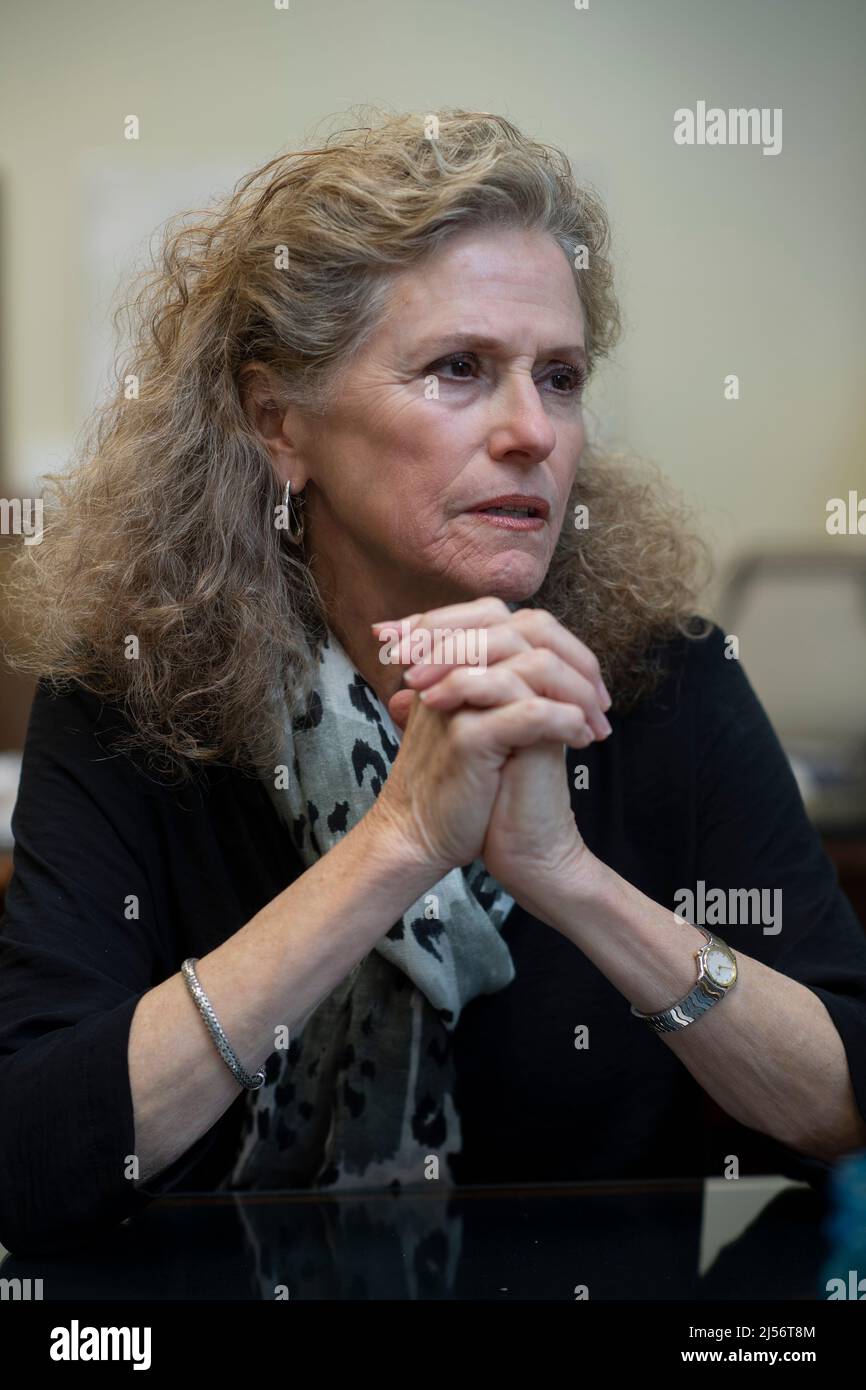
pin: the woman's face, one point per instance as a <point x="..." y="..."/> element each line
<point x="431" y="423"/>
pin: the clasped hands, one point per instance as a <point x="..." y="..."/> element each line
<point x="481" y="770"/>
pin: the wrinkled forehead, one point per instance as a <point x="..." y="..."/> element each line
<point x="491" y="285"/>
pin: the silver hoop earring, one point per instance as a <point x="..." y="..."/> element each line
<point x="294" y="513"/>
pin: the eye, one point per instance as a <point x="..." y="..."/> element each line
<point x="574" y="376"/>
<point x="457" y="357"/>
<point x="571" y="373"/>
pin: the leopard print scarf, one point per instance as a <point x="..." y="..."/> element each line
<point x="363" y="1094"/>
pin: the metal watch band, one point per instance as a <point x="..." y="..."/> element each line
<point x="224" y="1047"/>
<point x="693" y="1005"/>
<point x="685" y="1011"/>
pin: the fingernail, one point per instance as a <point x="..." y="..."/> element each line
<point x="605" y="696"/>
<point x="607" y="726"/>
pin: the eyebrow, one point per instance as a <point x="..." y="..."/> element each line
<point x="482" y="340"/>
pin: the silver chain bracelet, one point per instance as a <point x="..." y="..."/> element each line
<point x="224" y="1047"/>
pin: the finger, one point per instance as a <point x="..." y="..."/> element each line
<point x="457" y="633"/>
<point x="500" y="641"/>
<point x="537" y="670"/>
<point x="476" y="612"/>
<point x="537" y="625"/>
<point x="517" y="634"/>
<point x="399" y="707"/>
<point x="520" y="724"/>
<point x="541" y="629"/>
<point x="466" y="685"/>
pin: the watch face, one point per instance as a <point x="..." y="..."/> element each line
<point x="721" y="968"/>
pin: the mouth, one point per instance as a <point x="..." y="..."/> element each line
<point x="515" y="512"/>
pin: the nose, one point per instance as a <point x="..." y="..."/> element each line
<point x="521" y="422"/>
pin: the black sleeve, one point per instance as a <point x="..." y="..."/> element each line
<point x="753" y="832"/>
<point x="73" y="965"/>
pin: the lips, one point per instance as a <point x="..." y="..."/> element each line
<point x="517" y="502"/>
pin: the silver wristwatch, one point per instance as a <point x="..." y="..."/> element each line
<point x="717" y="973"/>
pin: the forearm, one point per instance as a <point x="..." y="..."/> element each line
<point x="269" y="974"/>
<point x="768" y="1052"/>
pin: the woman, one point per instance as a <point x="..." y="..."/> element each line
<point x="280" y="918"/>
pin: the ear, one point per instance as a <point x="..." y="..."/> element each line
<point x="271" y="421"/>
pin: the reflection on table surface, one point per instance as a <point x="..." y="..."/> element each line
<point x="752" y="1238"/>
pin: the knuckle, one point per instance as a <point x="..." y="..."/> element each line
<point x="535" y="708"/>
<point x="444" y="683"/>
<point x="539" y="662"/>
<point x="538" y="623"/>
<point x="527" y="619"/>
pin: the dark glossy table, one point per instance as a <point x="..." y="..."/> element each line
<point x="756" y="1238"/>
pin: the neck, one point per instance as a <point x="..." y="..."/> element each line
<point x="356" y="602"/>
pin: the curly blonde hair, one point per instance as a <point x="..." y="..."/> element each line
<point x="163" y="526"/>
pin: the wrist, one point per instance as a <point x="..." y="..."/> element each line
<point x="397" y="853"/>
<point x="574" y="883"/>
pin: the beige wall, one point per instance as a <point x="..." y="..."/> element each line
<point x="729" y="260"/>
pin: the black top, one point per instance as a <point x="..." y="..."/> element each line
<point x="692" y="785"/>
